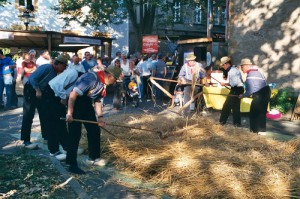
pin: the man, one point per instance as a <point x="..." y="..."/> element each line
<point x="89" y="62"/>
<point x="36" y="92"/>
<point x="257" y="87"/>
<point x="233" y="103"/>
<point x="159" y="70"/>
<point x="44" y="58"/>
<point x="187" y="71"/>
<point x="145" y="70"/>
<point x="76" y="64"/>
<point x="7" y="66"/>
<point x="118" y="57"/>
<point x="88" y="90"/>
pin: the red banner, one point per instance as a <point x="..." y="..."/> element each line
<point x="150" y="44"/>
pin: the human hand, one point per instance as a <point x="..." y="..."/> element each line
<point x="64" y="101"/>
<point x="222" y="84"/>
<point x="101" y="122"/>
<point x="69" y="118"/>
<point x="38" y="93"/>
<point x="241" y="96"/>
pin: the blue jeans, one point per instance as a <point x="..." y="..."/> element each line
<point x="1" y="89"/>
<point x="8" y="83"/>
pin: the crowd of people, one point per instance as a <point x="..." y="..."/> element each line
<point x="62" y="88"/>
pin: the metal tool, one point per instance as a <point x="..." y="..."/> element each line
<point x="160" y="134"/>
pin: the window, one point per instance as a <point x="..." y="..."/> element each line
<point x="199" y="14"/>
<point x="25" y="3"/>
<point x="177" y="13"/>
<point x="219" y="15"/>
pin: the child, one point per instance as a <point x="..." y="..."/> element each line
<point x="132" y="86"/>
<point x="178" y="95"/>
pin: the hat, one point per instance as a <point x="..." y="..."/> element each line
<point x="224" y="60"/>
<point x="246" y="61"/>
<point x="63" y="59"/>
<point x="32" y="51"/>
<point x="114" y="71"/>
<point x="190" y="57"/>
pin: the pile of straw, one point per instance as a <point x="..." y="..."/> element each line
<point x="201" y="159"/>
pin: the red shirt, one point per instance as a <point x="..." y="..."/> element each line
<point x="28" y="65"/>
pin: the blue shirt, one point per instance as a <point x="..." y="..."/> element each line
<point x="88" y="65"/>
<point x="89" y="84"/>
<point x="235" y="77"/>
<point x="41" y="76"/>
<point x="7" y="61"/>
<point x="255" y="81"/>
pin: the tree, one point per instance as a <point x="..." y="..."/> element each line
<point x="141" y="13"/>
<point x="2" y="2"/>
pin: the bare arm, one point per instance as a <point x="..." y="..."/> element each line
<point x="99" y="112"/>
<point x="71" y="103"/>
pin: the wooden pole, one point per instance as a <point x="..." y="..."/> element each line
<point x="170" y="80"/>
<point x="160" y="87"/>
<point x="189" y="102"/>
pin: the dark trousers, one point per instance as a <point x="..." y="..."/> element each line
<point x="157" y="92"/>
<point x="14" y="97"/>
<point x="258" y="110"/>
<point x="117" y="95"/>
<point x="234" y="104"/>
<point x="146" y="93"/>
<point x="84" y="110"/>
<point x="56" y="128"/>
<point x="30" y="103"/>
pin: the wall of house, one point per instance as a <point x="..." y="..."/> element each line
<point x="46" y="19"/>
<point x="267" y="32"/>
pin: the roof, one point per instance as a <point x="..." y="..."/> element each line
<point x="53" y="41"/>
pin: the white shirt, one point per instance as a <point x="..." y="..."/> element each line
<point x="41" y="61"/>
<point x="125" y="68"/>
<point x="79" y="67"/>
<point x="63" y="84"/>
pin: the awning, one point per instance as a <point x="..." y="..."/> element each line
<point x="53" y="41"/>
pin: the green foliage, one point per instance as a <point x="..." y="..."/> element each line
<point x="2" y="2"/>
<point x="282" y="100"/>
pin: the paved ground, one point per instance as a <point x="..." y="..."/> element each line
<point x="100" y="183"/>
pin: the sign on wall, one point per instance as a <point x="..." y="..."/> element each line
<point x="150" y="44"/>
<point x="81" y="40"/>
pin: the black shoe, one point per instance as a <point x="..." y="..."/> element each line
<point x="76" y="170"/>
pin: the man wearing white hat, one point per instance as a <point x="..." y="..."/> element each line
<point x="186" y="76"/>
<point x="257" y="87"/>
<point x="233" y="103"/>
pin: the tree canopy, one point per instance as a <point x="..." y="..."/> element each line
<point x="141" y="13"/>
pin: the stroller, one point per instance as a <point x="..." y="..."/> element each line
<point x="132" y="92"/>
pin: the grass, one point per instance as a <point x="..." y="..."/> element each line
<point x="26" y="176"/>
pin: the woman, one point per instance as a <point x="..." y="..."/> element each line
<point x="28" y="67"/>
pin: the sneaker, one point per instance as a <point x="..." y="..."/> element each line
<point x="76" y="170"/>
<point x="262" y="133"/>
<point x="29" y="145"/>
<point x="97" y="162"/>
<point x="59" y="156"/>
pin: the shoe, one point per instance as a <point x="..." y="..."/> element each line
<point x="29" y="145"/>
<point x="76" y="170"/>
<point x="59" y="155"/>
<point x="262" y="133"/>
<point x="97" y="162"/>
